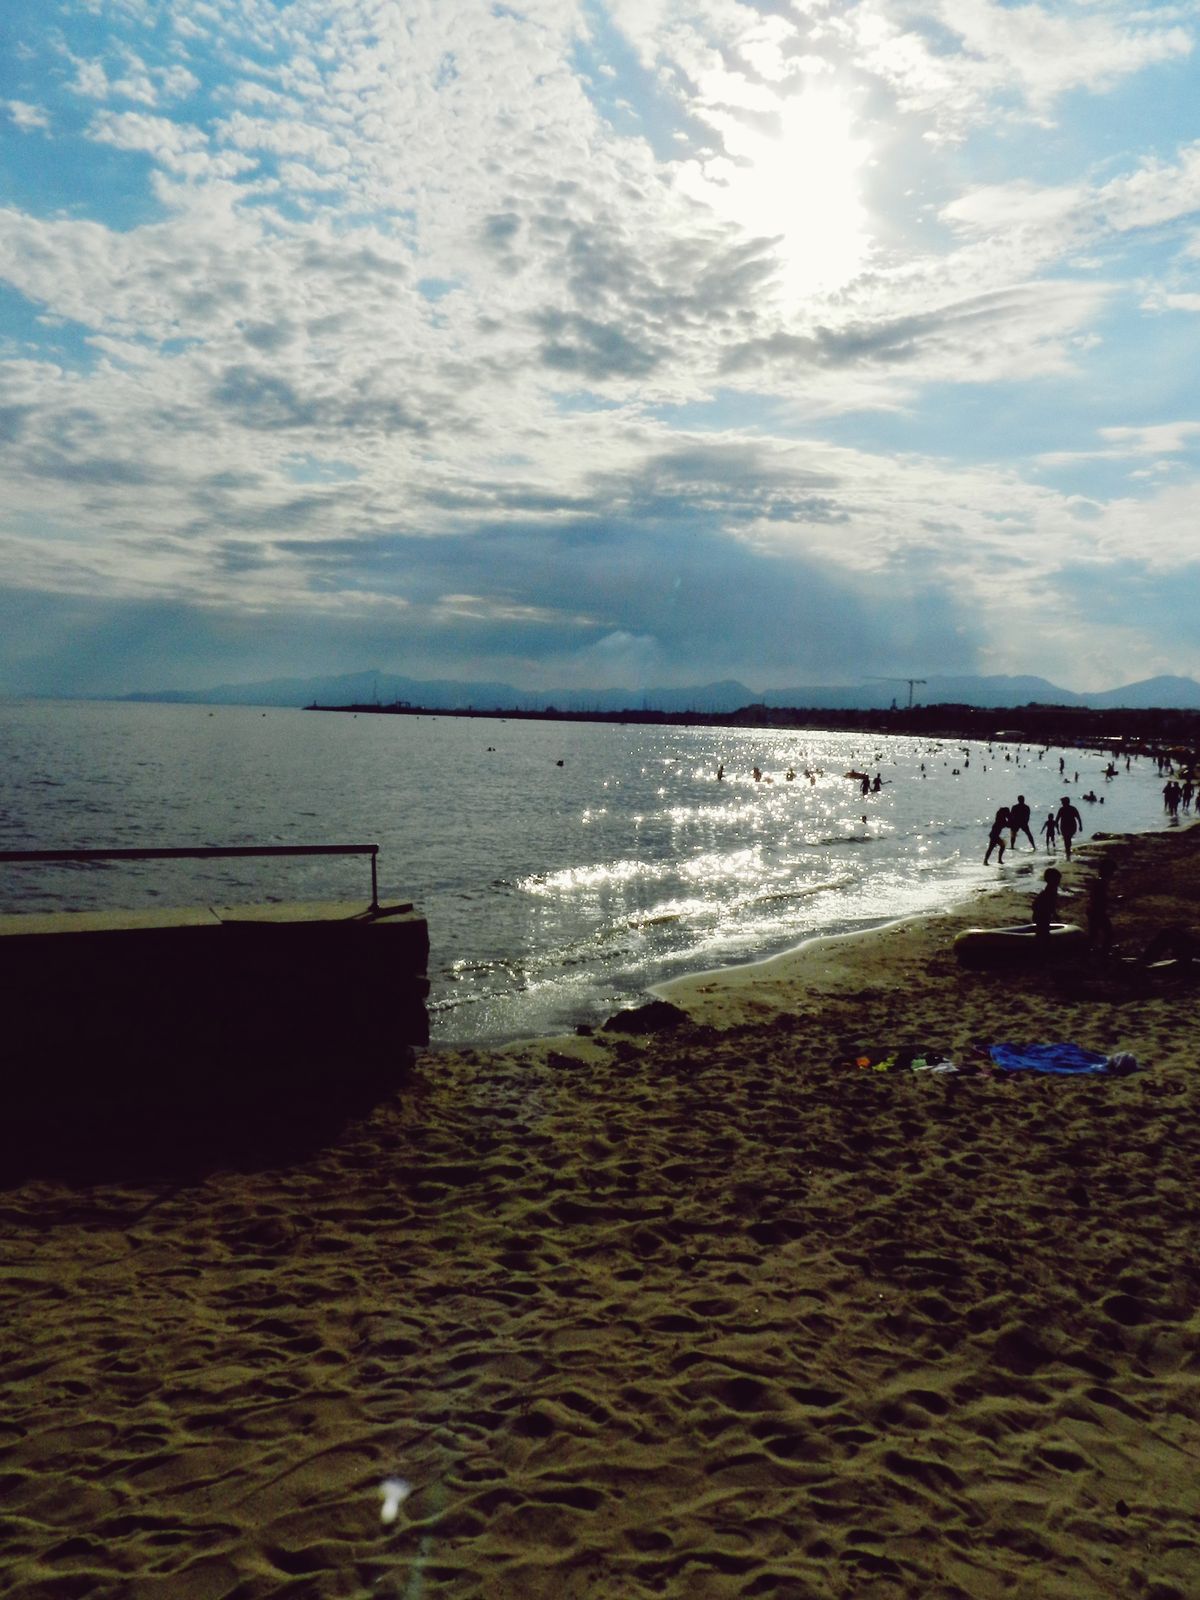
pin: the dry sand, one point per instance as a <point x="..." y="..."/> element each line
<point x="705" y="1314"/>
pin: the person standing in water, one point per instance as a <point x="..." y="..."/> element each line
<point x="1050" y="829"/>
<point x="1000" y="824"/>
<point x="1069" y="823"/>
<point x="1018" y="819"/>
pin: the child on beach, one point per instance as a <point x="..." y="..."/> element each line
<point x="1100" y="929"/>
<point x="1045" y="907"/>
<point x="1050" y="829"/>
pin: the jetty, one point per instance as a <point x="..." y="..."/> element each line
<point x="254" y="1010"/>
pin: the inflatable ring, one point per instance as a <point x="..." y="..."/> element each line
<point x="1004" y="947"/>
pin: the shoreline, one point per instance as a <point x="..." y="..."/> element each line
<point x="703" y="1314"/>
<point x="835" y="959"/>
<point x="761" y="990"/>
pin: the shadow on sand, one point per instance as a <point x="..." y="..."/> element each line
<point x="244" y="1118"/>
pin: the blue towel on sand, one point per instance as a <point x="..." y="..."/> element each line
<point x="1063" y="1058"/>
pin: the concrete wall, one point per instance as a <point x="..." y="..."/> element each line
<point x="208" y="1006"/>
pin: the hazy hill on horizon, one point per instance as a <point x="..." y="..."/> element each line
<point x="447" y="694"/>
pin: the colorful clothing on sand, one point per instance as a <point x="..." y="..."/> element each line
<point x="1064" y="1060"/>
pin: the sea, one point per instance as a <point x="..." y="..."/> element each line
<point x="564" y="868"/>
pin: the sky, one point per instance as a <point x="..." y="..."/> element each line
<point x="568" y="343"/>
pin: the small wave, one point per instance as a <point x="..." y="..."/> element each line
<point x="600" y="875"/>
<point x="457" y="970"/>
<point x="774" y="896"/>
<point x="440" y="1007"/>
<point x="715" y="865"/>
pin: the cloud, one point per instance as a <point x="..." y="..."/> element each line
<point x="1056" y="219"/>
<point x="594" y="351"/>
<point x="1162" y="438"/>
<point x="27" y="117"/>
<point x="260" y="400"/>
<point x="977" y="339"/>
<point x="91" y="80"/>
<point x="168" y="142"/>
<point x="959" y="63"/>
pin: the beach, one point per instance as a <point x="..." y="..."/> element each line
<point x="710" y="1311"/>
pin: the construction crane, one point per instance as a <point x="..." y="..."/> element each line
<point x="908" y="681"/>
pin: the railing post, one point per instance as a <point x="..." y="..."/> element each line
<point x="204" y="853"/>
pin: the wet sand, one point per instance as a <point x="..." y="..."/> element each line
<point x="708" y="1313"/>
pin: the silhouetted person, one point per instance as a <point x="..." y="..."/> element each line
<point x="1050" y="829"/>
<point x="1018" y="821"/>
<point x="1000" y="824"/>
<point x="1045" y="908"/>
<point x="1100" y="930"/>
<point x="1069" y="823"/>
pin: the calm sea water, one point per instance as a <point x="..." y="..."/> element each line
<point x="563" y="867"/>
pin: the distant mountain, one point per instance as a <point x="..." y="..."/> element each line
<point x="450" y="694"/>
<point x="998" y="690"/>
<point x="353" y="688"/>
<point x="878" y="693"/>
<point x="1177" y="694"/>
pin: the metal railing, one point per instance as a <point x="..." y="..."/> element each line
<point x="206" y="852"/>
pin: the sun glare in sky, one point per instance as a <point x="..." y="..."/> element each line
<point x="795" y="176"/>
